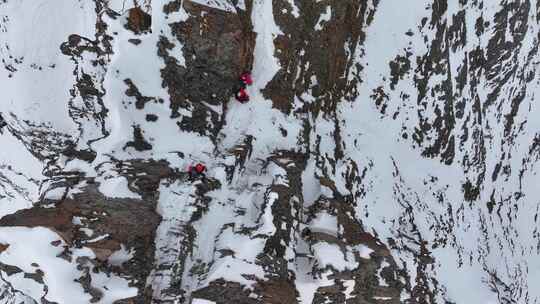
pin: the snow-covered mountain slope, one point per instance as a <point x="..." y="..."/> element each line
<point x="388" y="153"/>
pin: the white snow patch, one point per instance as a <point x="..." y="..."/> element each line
<point x="121" y="256"/>
<point x="349" y="288"/>
<point x="202" y="301"/>
<point x="77" y="220"/>
<point x="295" y="11"/>
<point x="325" y="17"/>
<point x="98" y="238"/>
<point x="311" y="188"/>
<point x="87" y="231"/>
<point x="265" y="65"/>
<point x="33" y="245"/>
<point x="32" y="32"/>
<point x="325" y="222"/>
<point x="117" y="187"/>
<point x="268" y="226"/>
<point x="364" y="251"/>
<point x="331" y="255"/>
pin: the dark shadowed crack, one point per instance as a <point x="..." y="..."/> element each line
<point x="138" y="143"/>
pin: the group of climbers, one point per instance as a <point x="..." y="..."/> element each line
<point x="241" y="92"/>
<point x="198" y="171"/>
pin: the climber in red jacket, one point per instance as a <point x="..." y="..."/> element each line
<point x="196" y="171"/>
<point x="242" y="95"/>
<point x="245" y="78"/>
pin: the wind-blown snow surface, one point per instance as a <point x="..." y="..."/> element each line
<point x="414" y="120"/>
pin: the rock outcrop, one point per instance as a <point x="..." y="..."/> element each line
<point x="105" y="226"/>
<point x="217" y="46"/>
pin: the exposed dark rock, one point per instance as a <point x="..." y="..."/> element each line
<point x="135" y="41"/>
<point x="217" y="48"/>
<point x="3" y="247"/>
<point x="275" y="291"/>
<point x="223" y="292"/>
<point x="76" y="45"/>
<point x="151" y="117"/>
<point x="133" y="91"/>
<point x="144" y="176"/>
<point x="37" y="276"/>
<point x="9" y="269"/>
<point x="138" y="20"/>
<point x="318" y="54"/>
<point x="138" y="143"/>
<point x="129" y="222"/>
<point x="3" y="123"/>
<point x="72" y="152"/>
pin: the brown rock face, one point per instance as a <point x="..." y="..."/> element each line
<point x="138" y="20"/>
<point x="221" y="38"/>
<point x="217" y="47"/>
<point x="309" y="52"/>
<point x="130" y="222"/>
<point x="223" y="292"/>
<point x="3" y="247"/>
<point x="277" y="292"/>
<point x="273" y="291"/>
<point x="125" y="220"/>
<point x="57" y="220"/>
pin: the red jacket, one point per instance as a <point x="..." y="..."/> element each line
<point x="246" y="79"/>
<point x="242" y="95"/>
<point x="198" y="168"/>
